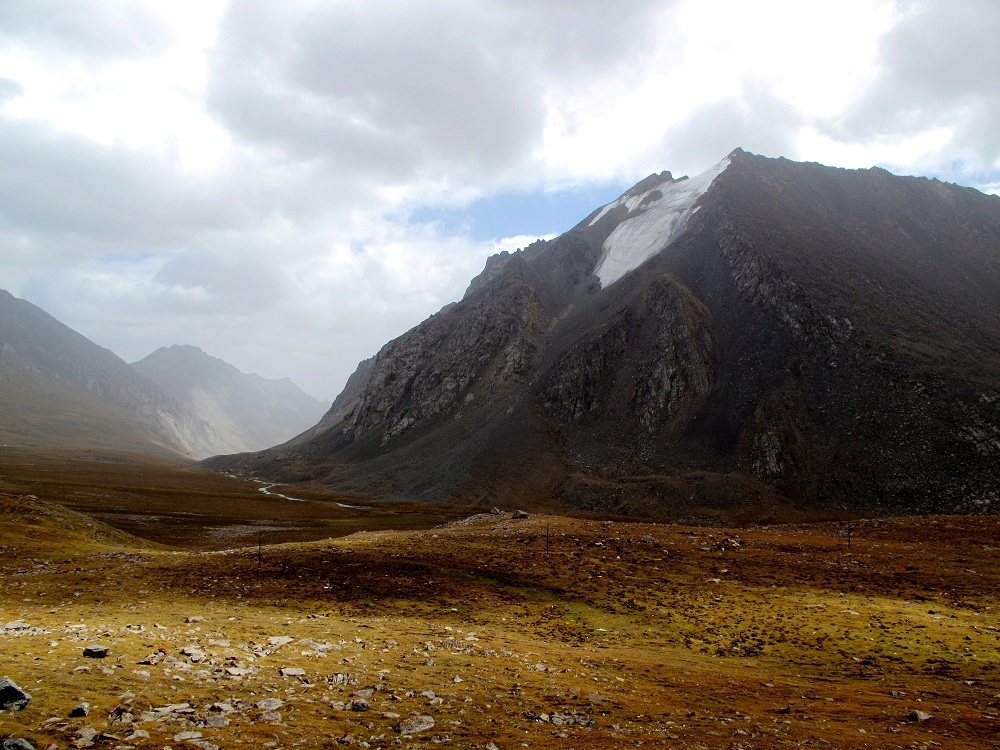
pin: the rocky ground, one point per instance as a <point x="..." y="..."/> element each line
<point x="495" y="632"/>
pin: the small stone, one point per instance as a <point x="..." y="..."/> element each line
<point x="359" y="704"/>
<point x="415" y="724"/>
<point x="919" y="716"/>
<point x="338" y="706"/>
<point x="293" y="672"/>
<point x="81" y="710"/>
<point x="280" y="640"/>
<point x="520" y="514"/>
<point x="12" y="698"/>
<point x="85" y="737"/>
<point x="194" y="618"/>
<point x="270" y="716"/>
<point x="18" y="744"/>
<point x="270" y="704"/>
<point x="225" y="708"/>
<point x="95" y="652"/>
<point x="217" y="721"/>
<point x="185" y="736"/>
<point x="138" y="734"/>
<point x="16" y="625"/>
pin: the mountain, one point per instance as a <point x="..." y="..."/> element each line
<point x="247" y="411"/>
<point x="58" y="389"/>
<point x="766" y="334"/>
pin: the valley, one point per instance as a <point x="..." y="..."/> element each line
<point x="402" y="629"/>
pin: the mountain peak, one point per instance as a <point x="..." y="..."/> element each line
<point x="247" y="410"/>
<point x="763" y="336"/>
<point x="650" y="217"/>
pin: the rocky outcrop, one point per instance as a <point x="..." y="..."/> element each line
<point x="803" y="336"/>
<point x="431" y="370"/>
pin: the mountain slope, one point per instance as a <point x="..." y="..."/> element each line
<point x="58" y="389"/>
<point x="766" y="333"/>
<point x="246" y="410"/>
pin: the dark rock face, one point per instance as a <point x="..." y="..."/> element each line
<point x="814" y="338"/>
<point x="668" y="336"/>
<point x="428" y="372"/>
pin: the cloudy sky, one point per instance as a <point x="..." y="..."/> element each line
<point x="289" y="185"/>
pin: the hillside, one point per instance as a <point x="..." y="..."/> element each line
<point x="58" y="389"/>
<point x="247" y="411"/>
<point x="764" y="336"/>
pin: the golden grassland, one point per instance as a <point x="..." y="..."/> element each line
<point x="547" y="632"/>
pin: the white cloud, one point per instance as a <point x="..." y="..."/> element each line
<point x="239" y="175"/>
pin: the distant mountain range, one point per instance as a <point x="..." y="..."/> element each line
<point x="766" y="334"/>
<point x="247" y="411"/>
<point x="60" y="390"/>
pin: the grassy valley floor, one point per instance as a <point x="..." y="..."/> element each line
<point x="545" y="632"/>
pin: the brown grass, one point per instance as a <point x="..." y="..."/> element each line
<point x="670" y="636"/>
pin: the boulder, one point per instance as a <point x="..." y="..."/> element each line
<point x="12" y="698"/>
<point x="415" y="724"/>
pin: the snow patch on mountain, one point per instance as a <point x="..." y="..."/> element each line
<point x="656" y="218"/>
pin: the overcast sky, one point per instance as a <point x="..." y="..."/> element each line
<point x="289" y="185"/>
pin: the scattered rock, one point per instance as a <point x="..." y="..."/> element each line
<point x="185" y="736"/>
<point x="16" y="625"/>
<point x="95" y="652"/>
<point x="519" y="514"/>
<point x="270" y="704"/>
<point x="293" y="672"/>
<point x="153" y="658"/>
<point x="415" y="724"/>
<point x="194" y="618"/>
<point x="919" y="716"/>
<point x="217" y="721"/>
<point x="359" y="704"/>
<point x="17" y="744"/>
<point x="280" y="640"/>
<point x="86" y="737"/>
<point x="12" y="698"/>
<point x="270" y="716"/>
<point x="194" y="653"/>
<point x="80" y="710"/>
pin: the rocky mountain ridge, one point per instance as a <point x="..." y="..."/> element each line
<point x="804" y="335"/>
